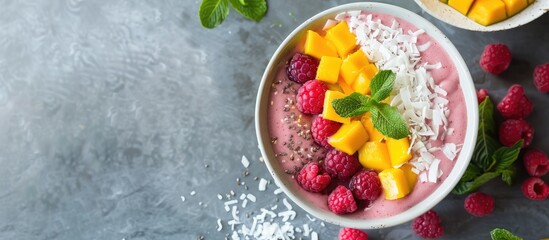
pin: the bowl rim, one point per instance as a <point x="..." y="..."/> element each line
<point x="468" y="90"/>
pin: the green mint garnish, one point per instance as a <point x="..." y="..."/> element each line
<point x="502" y="234"/>
<point x="386" y="119"/>
<point x="489" y="159"/>
<point x="214" y="12"/>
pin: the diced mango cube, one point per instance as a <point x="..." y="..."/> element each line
<point x="374" y="155"/>
<point x="334" y="87"/>
<point x="462" y="6"/>
<point x="486" y="12"/>
<point x="328" y="112"/>
<point x="328" y="69"/>
<point x="375" y="135"/>
<point x="342" y="37"/>
<point x="514" y="6"/>
<point x="347" y="89"/>
<point x="349" y="138"/>
<point x="317" y="46"/>
<point x="352" y="65"/>
<point x="398" y="151"/>
<point x="394" y="183"/>
<point x="411" y="177"/>
<point x="362" y="82"/>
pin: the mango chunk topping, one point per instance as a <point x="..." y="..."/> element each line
<point x="374" y="155"/>
<point x="349" y="138"/>
<point x="375" y="135"/>
<point x="317" y="46"/>
<point x="352" y="65"/>
<point x="328" y="69"/>
<point x="398" y="151"/>
<point x="394" y="183"/>
<point x="343" y="39"/>
<point x="362" y="82"/>
<point x="328" y="112"/>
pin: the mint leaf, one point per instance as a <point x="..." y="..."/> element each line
<point x="466" y="187"/>
<point x="213" y="12"/>
<point x="486" y="144"/>
<point x="506" y="156"/>
<point x="251" y="9"/>
<point x="352" y="105"/>
<point x="508" y="175"/>
<point x="471" y="173"/>
<point x="503" y="234"/>
<point x="388" y="121"/>
<point x="382" y="84"/>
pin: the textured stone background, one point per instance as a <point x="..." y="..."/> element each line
<point x="112" y="110"/>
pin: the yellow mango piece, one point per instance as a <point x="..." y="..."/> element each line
<point x="317" y="46"/>
<point x="394" y="183"/>
<point x="334" y="87"/>
<point x="398" y="151"/>
<point x="462" y="6"/>
<point x="374" y="155"/>
<point x="352" y="65"/>
<point x="444" y="1"/>
<point x="362" y="82"/>
<point x="486" y="12"/>
<point x="328" y="69"/>
<point x="375" y="135"/>
<point x="328" y="112"/>
<point x="345" y="87"/>
<point x="530" y="1"/>
<point x="349" y="138"/>
<point x="342" y="37"/>
<point x="514" y="6"/>
<point x="411" y="177"/>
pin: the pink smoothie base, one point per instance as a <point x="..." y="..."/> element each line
<point x="446" y="77"/>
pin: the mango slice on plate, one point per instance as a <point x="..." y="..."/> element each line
<point x="487" y="12"/>
<point x="317" y="46"/>
<point x="374" y="155"/>
<point x="328" y="69"/>
<point x="462" y="6"/>
<point x="514" y="6"/>
<point x="343" y="39"/>
<point x="349" y="138"/>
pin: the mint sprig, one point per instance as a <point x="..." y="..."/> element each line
<point x="213" y="12"/>
<point x="503" y="234"/>
<point x="386" y="119"/>
<point x="490" y="159"/>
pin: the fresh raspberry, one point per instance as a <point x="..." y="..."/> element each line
<point x="496" y="58"/>
<point x="322" y="129"/>
<point x="310" y="97"/>
<point x="515" y="105"/>
<point x="341" y="165"/>
<point x="365" y="185"/>
<point x="479" y="204"/>
<point x="512" y="130"/>
<point x="341" y="201"/>
<point x="535" y="188"/>
<point x="352" y="234"/>
<point x="313" y="178"/>
<point x="536" y="163"/>
<point x="428" y="225"/>
<point x="481" y="95"/>
<point x="541" y="77"/>
<point x="301" y="68"/>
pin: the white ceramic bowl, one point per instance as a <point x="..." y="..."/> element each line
<point x="449" y="15"/>
<point x="288" y="185"/>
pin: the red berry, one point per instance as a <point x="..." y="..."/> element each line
<point x="512" y="130"/>
<point x="428" y="225"/>
<point x="301" y="68"/>
<point x="536" y="163"/>
<point x="496" y="58"/>
<point x="341" y="201"/>
<point x="365" y="185"/>
<point x="341" y="165"/>
<point x="515" y="105"/>
<point x="322" y="129"/>
<point x="313" y="178"/>
<point x="352" y="234"/>
<point x="541" y="77"/>
<point x="310" y="97"/>
<point x="479" y="204"/>
<point x="535" y="188"/>
<point x="481" y="95"/>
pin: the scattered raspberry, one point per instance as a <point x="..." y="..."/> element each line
<point x="541" y="77"/>
<point x="322" y="129"/>
<point x="313" y="178"/>
<point x="515" y="105"/>
<point x="479" y="204"/>
<point x="481" y="95"/>
<point x="365" y="185"/>
<point x="341" y="201"/>
<point x="513" y="130"/>
<point x="428" y="225"/>
<point x="301" y="68"/>
<point x="341" y="165"/>
<point x="496" y="58"/>
<point x="310" y="97"/>
<point x="536" y="163"/>
<point x="535" y="188"/>
<point x="352" y="234"/>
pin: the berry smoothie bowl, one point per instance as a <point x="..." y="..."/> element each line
<point x="364" y="119"/>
